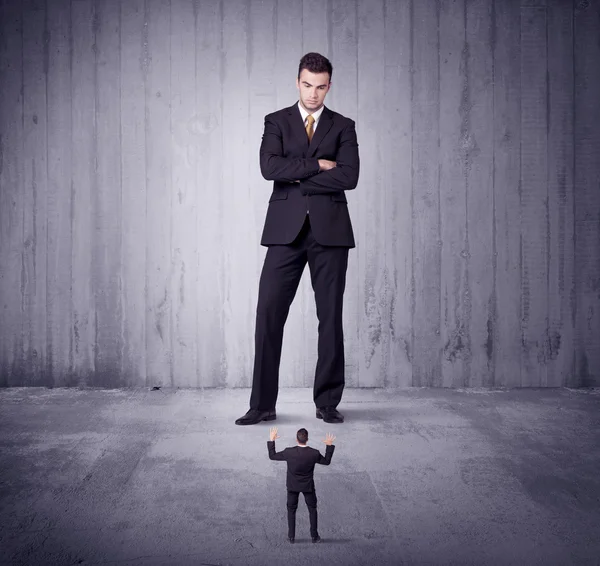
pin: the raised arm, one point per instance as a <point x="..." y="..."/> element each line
<point x="326" y="460"/>
<point x="344" y="176"/>
<point x="275" y="455"/>
<point x="275" y="167"/>
<point x="271" y="446"/>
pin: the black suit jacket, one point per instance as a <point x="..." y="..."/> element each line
<point x="301" y="464"/>
<point x="286" y="156"/>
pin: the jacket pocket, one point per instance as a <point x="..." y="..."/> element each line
<point x="278" y="195"/>
<point x="339" y="197"/>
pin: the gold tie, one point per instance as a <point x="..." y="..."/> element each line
<point x="309" y="127"/>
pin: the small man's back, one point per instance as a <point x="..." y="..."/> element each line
<point x="301" y="461"/>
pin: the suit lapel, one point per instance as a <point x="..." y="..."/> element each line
<point x="325" y="123"/>
<point x="297" y="125"/>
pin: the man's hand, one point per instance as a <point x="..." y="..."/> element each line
<point x="329" y="438"/>
<point x="273" y="433"/>
<point x="326" y="165"/>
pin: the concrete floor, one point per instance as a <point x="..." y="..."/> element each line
<point x="418" y="476"/>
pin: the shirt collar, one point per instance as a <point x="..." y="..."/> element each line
<point x="304" y="113"/>
<point x="300" y="446"/>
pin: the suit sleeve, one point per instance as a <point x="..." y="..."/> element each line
<point x="326" y="460"/>
<point x="344" y="176"/>
<point x="275" y="167"/>
<point x="275" y="455"/>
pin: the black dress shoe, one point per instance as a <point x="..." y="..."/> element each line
<point x="254" y="416"/>
<point x="291" y="539"/>
<point x="317" y="539"/>
<point x="330" y="415"/>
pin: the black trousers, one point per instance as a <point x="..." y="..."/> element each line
<point x="279" y="281"/>
<point x="292" y="504"/>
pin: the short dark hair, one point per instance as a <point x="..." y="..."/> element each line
<point x="302" y="436"/>
<point x="315" y="63"/>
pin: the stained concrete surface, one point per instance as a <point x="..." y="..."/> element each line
<point x="419" y="476"/>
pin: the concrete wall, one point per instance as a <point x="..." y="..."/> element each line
<point x="131" y="201"/>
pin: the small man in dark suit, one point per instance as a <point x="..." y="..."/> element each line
<point x="301" y="462"/>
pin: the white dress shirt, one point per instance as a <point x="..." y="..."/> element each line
<point x="316" y="115"/>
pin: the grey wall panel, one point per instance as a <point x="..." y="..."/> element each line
<point x="587" y="190"/>
<point x="11" y="197"/>
<point x="506" y="348"/>
<point x="131" y="201"/>
<point x="59" y="198"/>
<point x="184" y="244"/>
<point x="396" y="163"/>
<point x="374" y="295"/>
<point x="453" y="60"/>
<point x="159" y="193"/>
<point x="34" y="190"/>
<point x="560" y="356"/>
<point x="427" y="241"/>
<point x="207" y="132"/>
<point x="477" y="113"/>
<point x="83" y="182"/>
<point x="534" y="194"/>
<point x="240" y="226"/>
<point x="133" y="161"/>
<point x="108" y="222"/>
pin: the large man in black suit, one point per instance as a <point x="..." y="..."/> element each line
<point x="311" y="155"/>
<point x="301" y="462"/>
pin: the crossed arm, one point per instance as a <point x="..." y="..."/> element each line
<point x="315" y="176"/>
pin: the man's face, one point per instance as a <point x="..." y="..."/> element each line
<point x="312" y="88"/>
